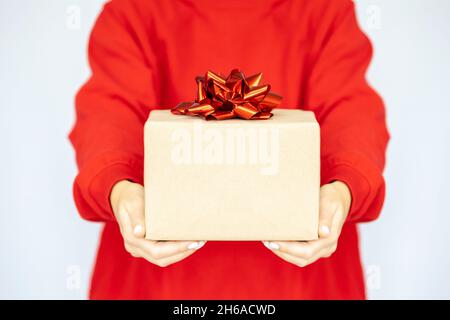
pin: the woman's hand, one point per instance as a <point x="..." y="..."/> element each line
<point x="335" y="200"/>
<point x="127" y="201"/>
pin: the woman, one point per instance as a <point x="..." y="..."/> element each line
<point x="144" y="55"/>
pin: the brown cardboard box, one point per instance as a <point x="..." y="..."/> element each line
<point x="233" y="179"/>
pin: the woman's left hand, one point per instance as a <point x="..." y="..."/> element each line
<point x="335" y="200"/>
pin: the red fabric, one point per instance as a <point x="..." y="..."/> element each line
<point x="144" y="55"/>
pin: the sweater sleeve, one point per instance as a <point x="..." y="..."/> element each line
<point x="351" y="115"/>
<point x="111" y="109"/>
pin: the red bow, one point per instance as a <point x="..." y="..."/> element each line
<point x="233" y="97"/>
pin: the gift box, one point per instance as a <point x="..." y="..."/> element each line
<point x="234" y="179"/>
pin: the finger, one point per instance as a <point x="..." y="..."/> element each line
<point x="338" y="222"/>
<point x="164" y="249"/>
<point x="132" y="242"/>
<point x="300" y="262"/>
<point x="303" y="250"/>
<point x="327" y="210"/>
<point x="124" y="222"/>
<point x="173" y="259"/>
<point x="303" y="262"/>
<point x="136" y="212"/>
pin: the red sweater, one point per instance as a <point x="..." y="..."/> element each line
<point x="145" y="55"/>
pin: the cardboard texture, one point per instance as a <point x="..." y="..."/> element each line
<point x="232" y="180"/>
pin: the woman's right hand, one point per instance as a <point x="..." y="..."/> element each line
<point x="127" y="201"/>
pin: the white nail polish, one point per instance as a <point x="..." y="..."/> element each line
<point x="271" y="245"/>
<point x="201" y="244"/>
<point x="325" y="230"/>
<point x="274" y="246"/>
<point x="196" y="245"/>
<point x="137" y="230"/>
<point x="193" y="245"/>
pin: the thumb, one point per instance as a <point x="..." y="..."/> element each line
<point x="327" y="211"/>
<point x="133" y="203"/>
<point x="325" y="222"/>
<point x="139" y="229"/>
<point x="137" y="218"/>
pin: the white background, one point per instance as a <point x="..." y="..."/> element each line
<point x="47" y="251"/>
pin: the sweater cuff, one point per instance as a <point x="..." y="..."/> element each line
<point x="93" y="187"/>
<point x="101" y="186"/>
<point x="356" y="182"/>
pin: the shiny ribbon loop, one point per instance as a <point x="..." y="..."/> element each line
<point x="233" y="97"/>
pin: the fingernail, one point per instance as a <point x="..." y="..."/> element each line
<point x="201" y="244"/>
<point x="137" y="230"/>
<point x="325" y="230"/>
<point x="196" y="245"/>
<point x="272" y="245"/>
